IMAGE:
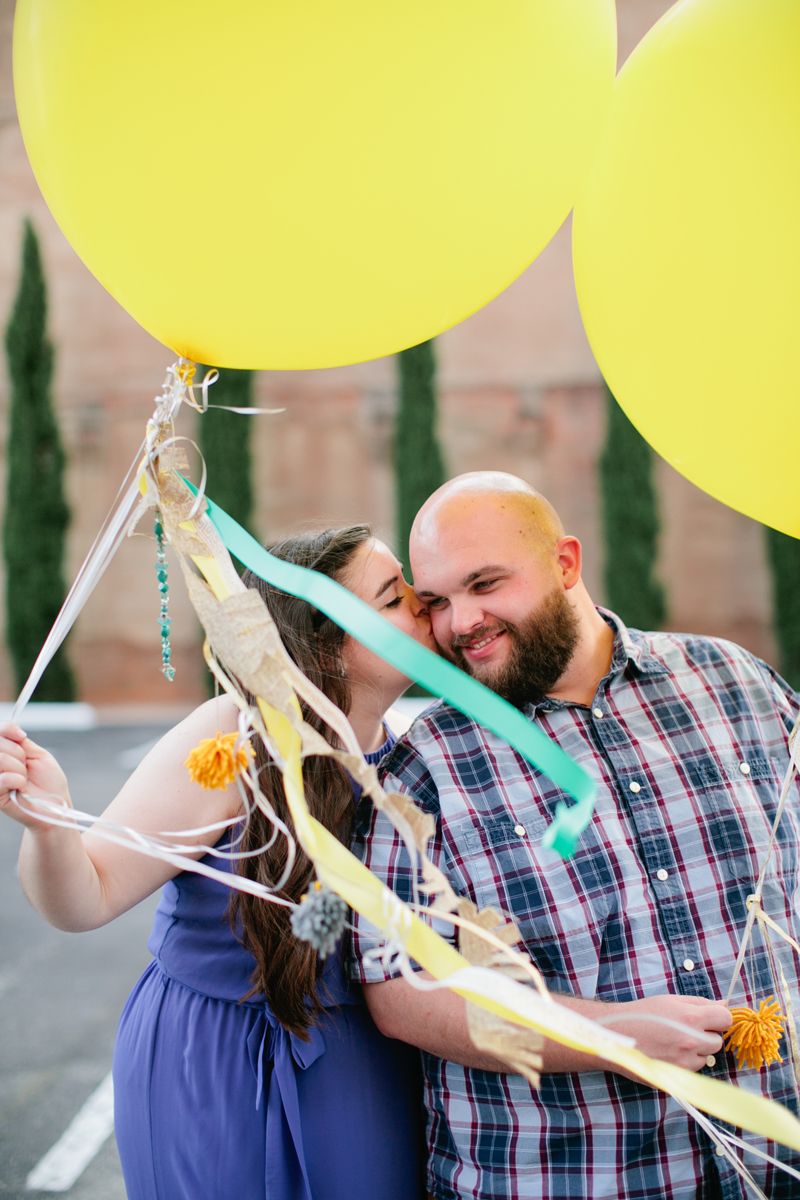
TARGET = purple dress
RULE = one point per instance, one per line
(214, 1100)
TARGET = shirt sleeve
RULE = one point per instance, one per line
(784, 697)
(379, 846)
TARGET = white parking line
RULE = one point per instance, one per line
(77, 1146)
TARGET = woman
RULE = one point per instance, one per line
(243, 1067)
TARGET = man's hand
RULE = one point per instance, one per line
(437, 1022)
(709, 1019)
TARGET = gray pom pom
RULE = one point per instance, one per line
(319, 919)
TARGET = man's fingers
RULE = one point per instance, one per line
(717, 1019)
(723, 1024)
(715, 1016)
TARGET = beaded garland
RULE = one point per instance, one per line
(162, 571)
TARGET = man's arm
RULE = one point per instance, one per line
(437, 1022)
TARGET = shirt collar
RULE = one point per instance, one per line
(630, 653)
(631, 649)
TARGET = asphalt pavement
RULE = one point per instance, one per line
(61, 994)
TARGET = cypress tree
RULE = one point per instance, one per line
(225, 445)
(630, 523)
(784, 558)
(419, 468)
(37, 515)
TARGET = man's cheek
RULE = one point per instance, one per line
(442, 634)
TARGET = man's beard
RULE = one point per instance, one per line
(542, 647)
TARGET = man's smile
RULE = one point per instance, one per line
(481, 648)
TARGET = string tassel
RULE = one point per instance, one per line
(212, 763)
(320, 919)
(754, 1036)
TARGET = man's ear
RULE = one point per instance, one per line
(568, 556)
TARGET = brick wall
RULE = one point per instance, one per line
(520, 391)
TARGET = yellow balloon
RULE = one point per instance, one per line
(687, 249)
(305, 183)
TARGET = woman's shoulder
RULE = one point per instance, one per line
(168, 757)
(217, 715)
(160, 793)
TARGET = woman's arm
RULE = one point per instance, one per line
(79, 882)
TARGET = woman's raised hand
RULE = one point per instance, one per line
(27, 768)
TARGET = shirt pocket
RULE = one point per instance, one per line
(500, 868)
(489, 858)
(737, 808)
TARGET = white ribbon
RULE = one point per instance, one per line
(175, 392)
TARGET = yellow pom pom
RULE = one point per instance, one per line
(212, 763)
(754, 1036)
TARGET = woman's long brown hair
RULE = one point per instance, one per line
(286, 968)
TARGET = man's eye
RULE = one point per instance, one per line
(486, 583)
(435, 603)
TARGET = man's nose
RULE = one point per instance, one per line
(465, 615)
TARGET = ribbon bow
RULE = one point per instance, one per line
(285, 1167)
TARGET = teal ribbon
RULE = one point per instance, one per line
(440, 677)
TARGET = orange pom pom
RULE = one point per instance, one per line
(754, 1036)
(212, 764)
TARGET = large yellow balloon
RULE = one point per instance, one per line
(303, 183)
(687, 249)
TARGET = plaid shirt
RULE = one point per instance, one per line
(687, 738)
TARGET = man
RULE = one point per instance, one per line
(687, 738)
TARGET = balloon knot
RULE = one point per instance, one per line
(754, 1036)
(186, 372)
(212, 764)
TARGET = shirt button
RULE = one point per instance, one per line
(662, 874)
(719, 1150)
(635, 787)
(744, 768)
(519, 830)
(711, 1061)
(688, 964)
(597, 712)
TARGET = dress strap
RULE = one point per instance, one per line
(375, 756)
(270, 1045)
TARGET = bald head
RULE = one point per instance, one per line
(494, 497)
(501, 582)
(502, 585)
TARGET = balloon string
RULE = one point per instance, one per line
(53, 812)
(177, 390)
(108, 541)
(754, 902)
(203, 405)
